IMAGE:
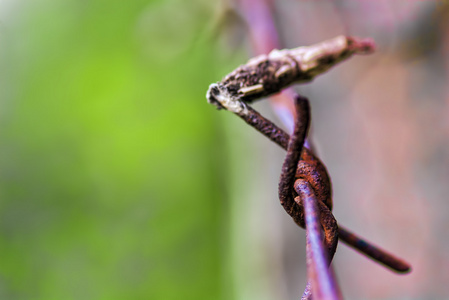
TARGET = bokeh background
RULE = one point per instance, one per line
(119, 181)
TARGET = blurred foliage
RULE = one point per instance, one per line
(108, 178)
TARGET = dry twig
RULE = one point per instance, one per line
(265, 75)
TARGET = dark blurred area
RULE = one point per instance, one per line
(119, 181)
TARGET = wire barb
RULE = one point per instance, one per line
(281, 138)
(302, 171)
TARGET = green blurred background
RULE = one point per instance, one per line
(108, 177)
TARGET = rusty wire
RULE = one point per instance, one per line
(322, 280)
(313, 172)
(281, 138)
(304, 188)
(307, 175)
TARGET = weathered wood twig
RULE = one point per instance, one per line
(265, 75)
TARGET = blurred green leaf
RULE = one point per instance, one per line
(107, 179)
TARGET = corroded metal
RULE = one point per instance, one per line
(321, 183)
(305, 189)
(294, 149)
(389, 260)
(321, 278)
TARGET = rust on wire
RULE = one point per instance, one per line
(321, 278)
(315, 167)
(305, 190)
(290, 165)
(368, 249)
